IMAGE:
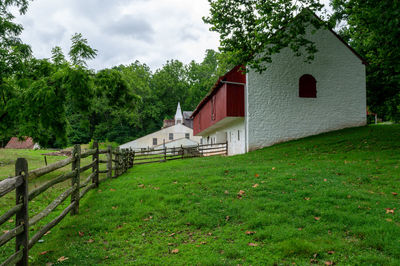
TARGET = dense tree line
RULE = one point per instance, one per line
(60, 101)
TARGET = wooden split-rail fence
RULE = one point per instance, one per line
(117, 162)
(149, 155)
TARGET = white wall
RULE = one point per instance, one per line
(275, 112)
(178, 131)
(234, 133)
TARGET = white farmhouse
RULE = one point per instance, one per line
(174, 133)
(291, 99)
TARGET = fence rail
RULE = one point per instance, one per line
(146, 156)
(118, 162)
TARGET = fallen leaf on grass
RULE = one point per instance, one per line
(44, 252)
(389, 220)
(331, 252)
(111, 189)
(48, 232)
(317, 218)
(203, 242)
(114, 207)
(329, 263)
(175, 251)
(62, 258)
(394, 194)
(11, 220)
(172, 234)
(81, 233)
(256, 175)
(253, 244)
(156, 188)
(226, 192)
(307, 198)
(390, 210)
(325, 179)
(255, 185)
(90, 241)
(141, 185)
(273, 168)
(299, 228)
(240, 194)
(147, 219)
(250, 232)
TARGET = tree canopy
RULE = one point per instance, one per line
(251, 31)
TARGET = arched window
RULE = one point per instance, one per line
(307, 86)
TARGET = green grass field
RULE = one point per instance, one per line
(328, 199)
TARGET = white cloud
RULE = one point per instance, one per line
(151, 31)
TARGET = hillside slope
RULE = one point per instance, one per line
(331, 198)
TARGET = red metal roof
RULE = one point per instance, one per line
(15, 143)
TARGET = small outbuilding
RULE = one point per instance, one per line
(26, 143)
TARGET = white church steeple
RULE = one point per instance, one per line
(178, 115)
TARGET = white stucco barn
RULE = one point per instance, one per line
(291, 99)
(177, 134)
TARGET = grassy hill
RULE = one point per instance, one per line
(326, 199)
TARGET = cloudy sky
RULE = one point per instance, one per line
(151, 31)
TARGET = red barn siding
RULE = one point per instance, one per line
(220, 105)
(235, 100)
(228, 98)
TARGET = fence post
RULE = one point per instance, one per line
(95, 168)
(183, 152)
(124, 160)
(109, 161)
(76, 165)
(133, 159)
(165, 154)
(22, 217)
(130, 157)
(226, 147)
(117, 164)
